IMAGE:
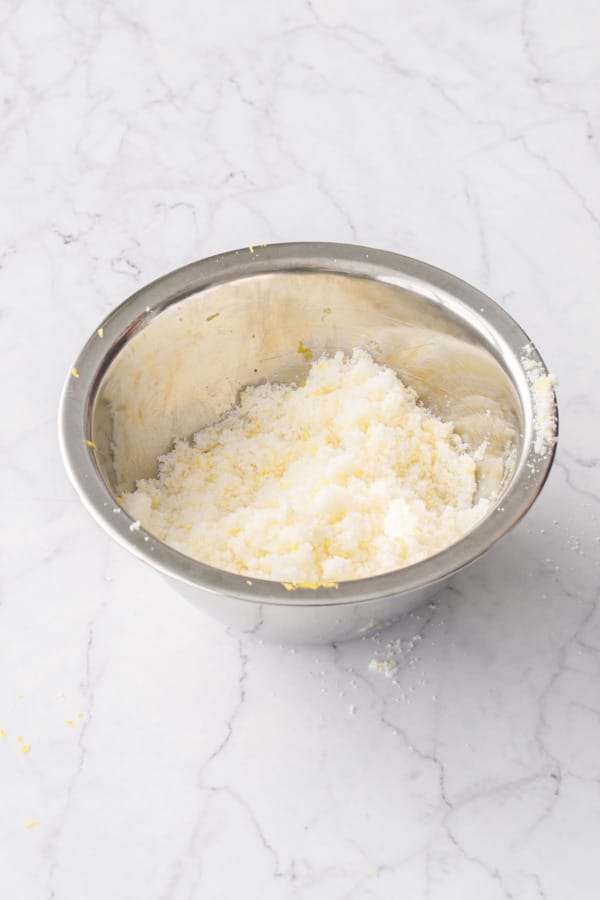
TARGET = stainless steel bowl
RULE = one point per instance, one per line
(174, 356)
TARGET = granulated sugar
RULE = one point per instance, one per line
(340, 477)
(542, 387)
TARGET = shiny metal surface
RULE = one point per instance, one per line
(174, 356)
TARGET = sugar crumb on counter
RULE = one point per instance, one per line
(396, 653)
(306, 352)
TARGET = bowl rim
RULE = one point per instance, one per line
(134, 313)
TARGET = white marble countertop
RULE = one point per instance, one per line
(166, 759)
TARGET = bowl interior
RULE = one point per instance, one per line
(182, 362)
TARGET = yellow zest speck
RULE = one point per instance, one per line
(70, 723)
(308, 585)
(248, 582)
(80, 715)
(2, 733)
(386, 665)
(25, 748)
(119, 498)
(19, 738)
(251, 248)
(33, 824)
(326, 312)
(101, 332)
(306, 352)
(214, 316)
(90, 444)
(74, 373)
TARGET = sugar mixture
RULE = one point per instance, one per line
(342, 476)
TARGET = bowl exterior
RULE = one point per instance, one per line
(292, 624)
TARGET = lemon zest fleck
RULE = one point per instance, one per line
(74, 372)
(25, 748)
(306, 352)
(214, 316)
(101, 332)
(308, 585)
(33, 824)
(90, 444)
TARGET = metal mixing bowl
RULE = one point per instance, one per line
(174, 356)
